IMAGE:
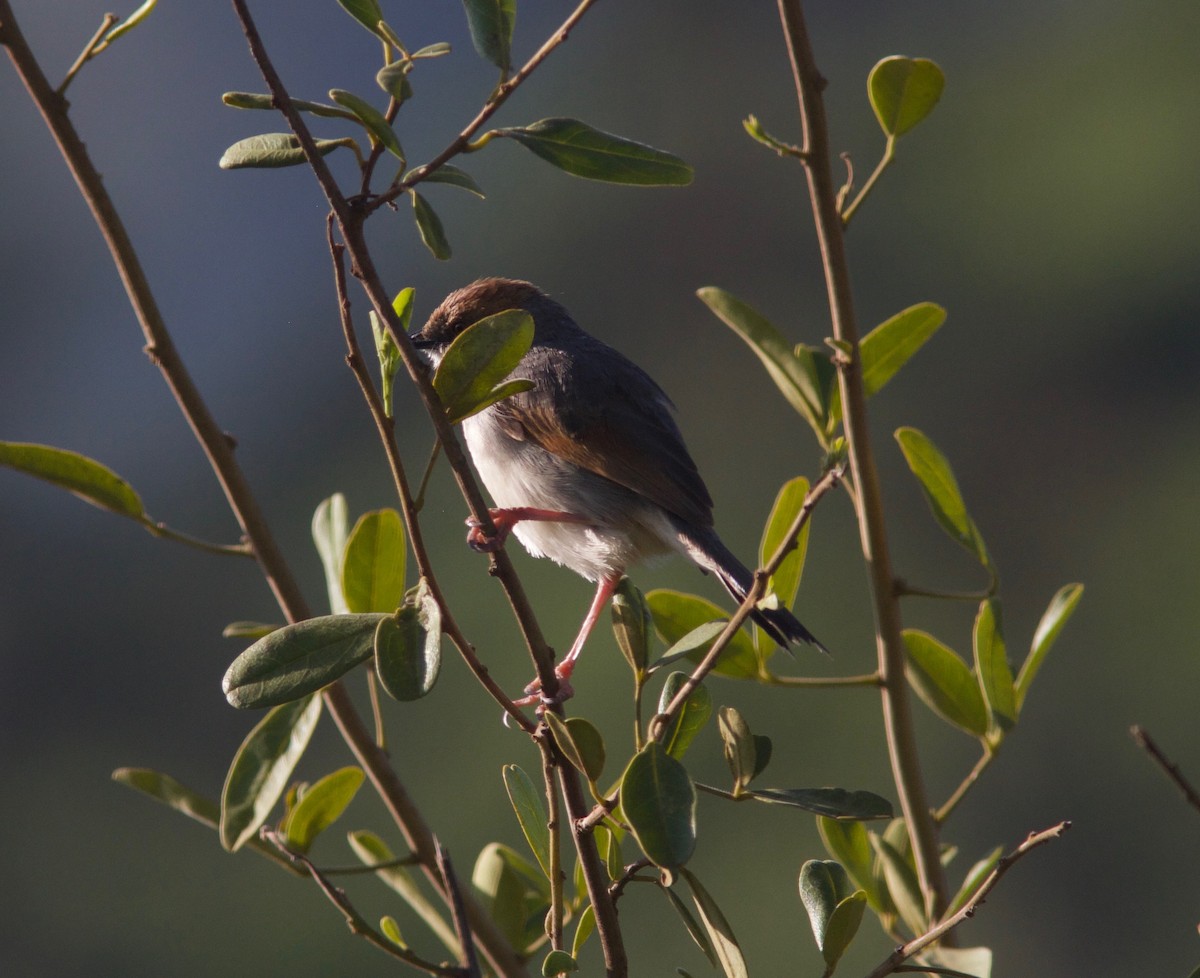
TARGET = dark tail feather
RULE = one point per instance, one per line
(710, 554)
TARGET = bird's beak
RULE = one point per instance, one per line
(419, 341)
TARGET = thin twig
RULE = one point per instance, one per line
(897, 709)
(554, 830)
(354, 920)
(871, 679)
(90, 50)
(223, 549)
(1142, 738)
(885, 161)
(462, 925)
(981, 765)
(631, 873)
(941, 929)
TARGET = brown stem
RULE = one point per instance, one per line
(1142, 738)
(981, 765)
(458, 911)
(897, 713)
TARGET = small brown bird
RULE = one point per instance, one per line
(588, 467)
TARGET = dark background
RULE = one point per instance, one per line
(1049, 204)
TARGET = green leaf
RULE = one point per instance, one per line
(941, 491)
(991, 664)
(87, 479)
(433, 235)
(272, 149)
(580, 742)
(262, 766)
(945, 683)
(329, 524)
(1062, 606)
(676, 614)
(849, 843)
(170, 792)
(738, 745)
(974, 878)
(701, 637)
(795, 376)
(632, 624)
(890, 345)
(689, 720)
(514, 892)
(366, 12)
(659, 802)
(903, 91)
(371, 118)
(481, 356)
(435, 50)
(299, 659)
(973, 961)
(902, 885)
(835, 907)
(695, 931)
(408, 646)
(373, 565)
(836, 803)
(391, 930)
(724, 943)
(372, 850)
(393, 79)
(531, 814)
(583, 930)
(491, 23)
(762, 754)
(320, 806)
(248, 629)
(130, 22)
(453, 176)
(558, 963)
(785, 582)
(262, 101)
(578, 149)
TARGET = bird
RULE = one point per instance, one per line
(587, 467)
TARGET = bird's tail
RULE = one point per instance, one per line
(707, 550)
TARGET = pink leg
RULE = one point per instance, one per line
(563, 670)
(506, 519)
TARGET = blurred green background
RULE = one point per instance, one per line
(1049, 203)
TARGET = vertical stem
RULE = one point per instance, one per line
(897, 713)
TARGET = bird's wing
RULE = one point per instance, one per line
(618, 425)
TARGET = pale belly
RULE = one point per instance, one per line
(623, 529)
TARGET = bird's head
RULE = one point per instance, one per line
(474, 302)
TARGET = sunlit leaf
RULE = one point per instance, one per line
(170, 792)
(738, 744)
(393, 79)
(796, 377)
(632, 624)
(849, 843)
(580, 742)
(659, 802)
(329, 531)
(903, 91)
(945, 682)
(785, 582)
(941, 491)
(433, 235)
(694, 929)
(578, 149)
(262, 766)
(366, 12)
(299, 659)
(514, 892)
(1062, 606)
(558, 963)
(130, 22)
(454, 177)
(834, 906)
(371, 118)
(320, 806)
(583, 930)
(408, 646)
(724, 943)
(262, 101)
(838, 803)
(272, 149)
(86, 478)
(531, 814)
(902, 884)
(974, 878)
(688, 720)
(973, 961)
(991, 664)
(676, 614)
(373, 564)
(479, 358)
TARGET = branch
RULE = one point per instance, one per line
(897, 713)
(462, 926)
(1142, 738)
(354, 920)
(981, 765)
(940, 930)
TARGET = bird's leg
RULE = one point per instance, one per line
(604, 591)
(505, 519)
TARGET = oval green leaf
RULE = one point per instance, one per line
(408, 647)
(724, 943)
(659, 802)
(937, 481)
(78, 474)
(454, 177)
(262, 766)
(491, 23)
(676, 614)
(945, 683)
(580, 742)
(903, 91)
(393, 79)
(433, 235)
(738, 744)
(793, 370)
(834, 906)
(578, 149)
(689, 720)
(632, 624)
(481, 356)
(271, 150)
(372, 119)
(527, 803)
(514, 893)
(785, 582)
(849, 843)
(320, 806)
(366, 12)
(329, 529)
(373, 563)
(583, 930)
(558, 963)
(991, 664)
(903, 888)
(696, 932)
(837, 803)
(171, 793)
(299, 659)
(256, 100)
(1061, 607)
(974, 878)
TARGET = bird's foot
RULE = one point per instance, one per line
(479, 540)
(534, 695)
